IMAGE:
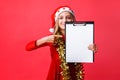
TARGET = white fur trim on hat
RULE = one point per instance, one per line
(59, 11)
(51, 30)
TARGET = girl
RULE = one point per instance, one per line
(59, 69)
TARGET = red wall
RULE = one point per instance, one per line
(22, 21)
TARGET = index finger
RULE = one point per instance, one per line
(57, 35)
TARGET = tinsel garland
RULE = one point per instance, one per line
(64, 66)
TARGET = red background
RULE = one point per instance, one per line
(22, 21)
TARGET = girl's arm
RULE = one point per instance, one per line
(41, 42)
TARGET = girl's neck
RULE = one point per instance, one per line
(63, 32)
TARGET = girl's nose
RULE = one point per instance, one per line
(65, 19)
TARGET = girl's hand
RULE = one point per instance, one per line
(51, 38)
(92, 47)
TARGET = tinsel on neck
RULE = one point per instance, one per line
(65, 73)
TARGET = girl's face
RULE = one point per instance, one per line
(64, 17)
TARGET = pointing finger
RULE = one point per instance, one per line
(57, 35)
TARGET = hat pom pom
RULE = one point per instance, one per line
(51, 30)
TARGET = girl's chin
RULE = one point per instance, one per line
(63, 28)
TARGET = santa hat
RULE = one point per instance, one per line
(62, 9)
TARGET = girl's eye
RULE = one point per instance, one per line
(60, 18)
(69, 17)
(66, 17)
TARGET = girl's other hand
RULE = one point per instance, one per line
(92, 47)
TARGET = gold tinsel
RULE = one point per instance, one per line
(60, 44)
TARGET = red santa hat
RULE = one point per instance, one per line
(63, 9)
